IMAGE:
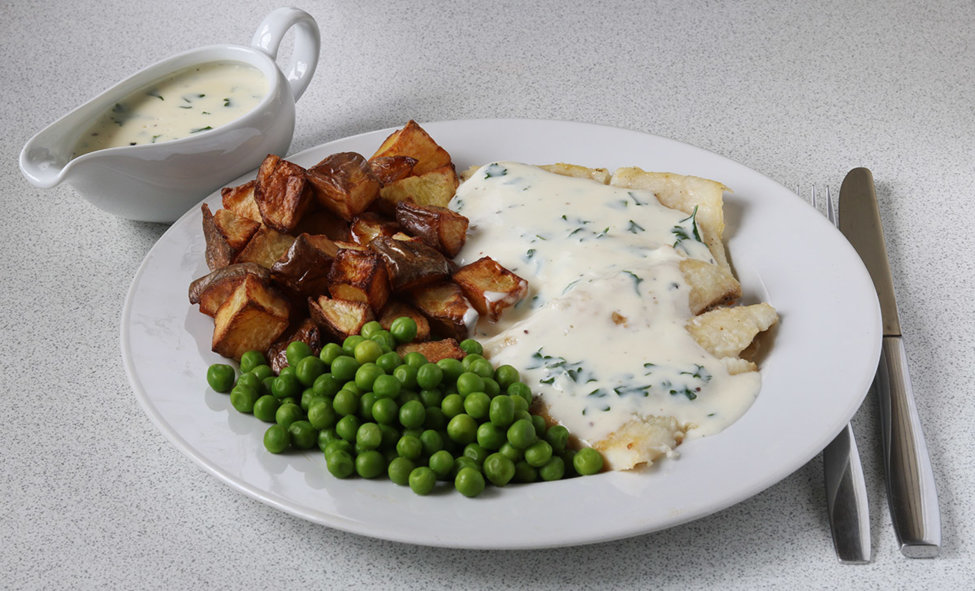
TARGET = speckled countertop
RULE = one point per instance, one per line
(92, 495)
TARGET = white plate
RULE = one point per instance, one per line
(814, 377)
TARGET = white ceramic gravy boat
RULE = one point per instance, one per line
(160, 182)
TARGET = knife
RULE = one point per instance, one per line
(911, 492)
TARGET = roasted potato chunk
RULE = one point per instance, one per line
(359, 276)
(323, 222)
(240, 200)
(306, 331)
(218, 252)
(213, 289)
(395, 309)
(265, 247)
(450, 314)
(339, 319)
(344, 184)
(226, 234)
(435, 187)
(304, 268)
(391, 168)
(434, 351)
(282, 193)
(413, 141)
(489, 287)
(410, 264)
(251, 318)
(438, 227)
(369, 225)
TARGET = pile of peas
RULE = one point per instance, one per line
(375, 413)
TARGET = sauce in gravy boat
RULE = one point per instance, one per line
(157, 143)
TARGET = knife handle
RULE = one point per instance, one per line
(911, 489)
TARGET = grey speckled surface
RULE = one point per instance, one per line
(93, 496)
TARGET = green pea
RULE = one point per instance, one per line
(441, 462)
(475, 452)
(265, 408)
(501, 411)
(285, 386)
(350, 342)
(391, 436)
(477, 404)
(251, 359)
(370, 328)
(471, 346)
(469, 359)
(220, 377)
(262, 372)
(287, 370)
(499, 469)
(406, 396)
(452, 405)
(506, 375)
(431, 397)
(468, 382)
(482, 367)
(511, 452)
(344, 368)
(435, 418)
(540, 425)
(558, 438)
(389, 361)
(406, 375)
(330, 352)
(347, 427)
(346, 402)
(385, 411)
(326, 436)
(288, 413)
(412, 414)
(521, 405)
(469, 482)
(385, 340)
(308, 369)
(539, 453)
(521, 434)
(338, 444)
(491, 387)
(587, 461)
(366, 375)
(554, 469)
(243, 399)
(307, 397)
(452, 368)
(520, 389)
(367, 351)
(415, 359)
(429, 376)
(490, 436)
(386, 386)
(403, 329)
(422, 480)
(277, 439)
(432, 441)
(340, 463)
(525, 472)
(369, 436)
(326, 385)
(303, 435)
(366, 402)
(462, 429)
(461, 462)
(409, 446)
(296, 351)
(399, 470)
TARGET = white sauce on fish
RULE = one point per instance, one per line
(600, 334)
(191, 101)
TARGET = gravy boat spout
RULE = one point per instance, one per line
(158, 182)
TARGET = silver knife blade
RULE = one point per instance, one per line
(911, 492)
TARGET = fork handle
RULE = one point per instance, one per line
(911, 491)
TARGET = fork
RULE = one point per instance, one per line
(846, 492)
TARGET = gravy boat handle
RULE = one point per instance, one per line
(307, 43)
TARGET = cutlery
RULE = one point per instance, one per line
(911, 492)
(846, 489)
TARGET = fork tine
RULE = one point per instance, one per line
(830, 213)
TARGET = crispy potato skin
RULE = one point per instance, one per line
(213, 289)
(344, 184)
(251, 318)
(489, 287)
(282, 193)
(439, 227)
(410, 264)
